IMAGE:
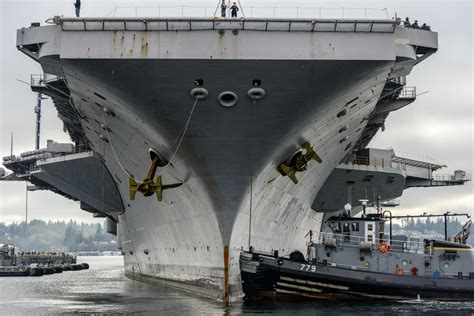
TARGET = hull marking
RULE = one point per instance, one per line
(331, 286)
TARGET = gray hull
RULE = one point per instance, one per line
(221, 151)
(131, 90)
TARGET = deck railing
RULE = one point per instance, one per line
(40, 80)
(408, 93)
(450, 177)
(43, 155)
(412, 245)
(366, 161)
(275, 11)
(202, 24)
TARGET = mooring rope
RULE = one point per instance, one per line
(181, 138)
(183, 133)
(112, 147)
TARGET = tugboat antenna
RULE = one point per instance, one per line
(364, 206)
(379, 209)
(11, 145)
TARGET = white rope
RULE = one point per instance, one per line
(103, 176)
(182, 137)
(183, 133)
(217, 8)
(241, 9)
(112, 146)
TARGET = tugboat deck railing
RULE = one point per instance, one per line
(349, 241)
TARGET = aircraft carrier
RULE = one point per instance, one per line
(199, 137)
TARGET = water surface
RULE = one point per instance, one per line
(103, 289)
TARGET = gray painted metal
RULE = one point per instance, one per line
(405, 253)
(84, 177)
(137, 84)
(360, 182)
(200, 24)
(374, 173)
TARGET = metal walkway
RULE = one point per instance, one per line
(378, 172)
(201, 24)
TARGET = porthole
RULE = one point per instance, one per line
(100, 96)
(342, 113)
(105, 128)
(343, 129)
(104, 138)
(280, 262)
(353, 100)
(108, 111)
(343, 140)
(228, 99)
(348, 146)
(405, 262)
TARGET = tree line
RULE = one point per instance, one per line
(431, 226)
(57, 235)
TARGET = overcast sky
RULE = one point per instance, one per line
(438, 125)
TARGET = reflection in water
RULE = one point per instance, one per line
(104, 290)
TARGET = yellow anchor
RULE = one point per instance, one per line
(148, 187)
(299, 162)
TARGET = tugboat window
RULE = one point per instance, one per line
(347, 233)
(371, 227)
(369, 238)
(355, 227)
(335, 227)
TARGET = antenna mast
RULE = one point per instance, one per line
(38, 119)
(11, 146)
(38, 82)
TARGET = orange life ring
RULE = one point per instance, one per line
(383, 247)
(399, 271)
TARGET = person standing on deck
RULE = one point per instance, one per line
(223, 9)
(407, 23)
(234, 9)
(77, 5)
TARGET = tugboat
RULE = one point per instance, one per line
(357, 260)
(8, 266)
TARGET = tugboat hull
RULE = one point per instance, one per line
(263, 274)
